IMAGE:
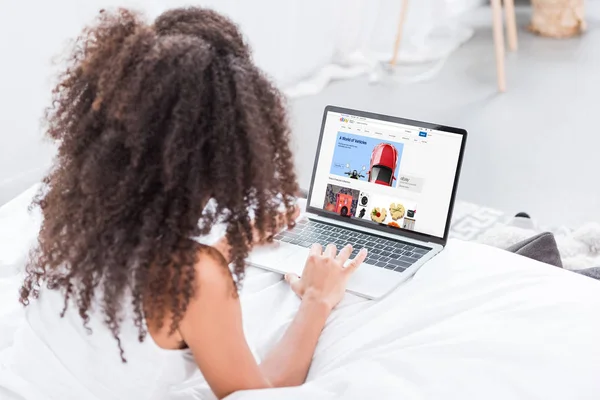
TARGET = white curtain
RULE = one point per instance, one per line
(303, 44)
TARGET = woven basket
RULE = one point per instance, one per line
(558, 18)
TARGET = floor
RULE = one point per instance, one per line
(534, 148)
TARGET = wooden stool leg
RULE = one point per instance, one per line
(511, 24)
(403, 11)
(499, 43)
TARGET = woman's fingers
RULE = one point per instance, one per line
(344, 253)
(294, 282)
(283, 220)
(296, 213)
(316, 250)
(291, 278)
(353, 264)
(330, 250)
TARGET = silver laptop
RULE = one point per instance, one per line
(380, 182)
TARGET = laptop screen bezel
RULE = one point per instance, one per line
(384, 228)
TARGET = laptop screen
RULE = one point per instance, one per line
(386, 173)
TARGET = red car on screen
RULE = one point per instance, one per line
(383, 164)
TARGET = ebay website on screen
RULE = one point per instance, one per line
(386, 173)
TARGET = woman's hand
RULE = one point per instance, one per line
(282, 221)
(325, 275)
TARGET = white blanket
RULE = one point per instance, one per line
(475, 322)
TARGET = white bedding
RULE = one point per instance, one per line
(476, 322)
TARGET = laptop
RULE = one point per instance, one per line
(380, 182)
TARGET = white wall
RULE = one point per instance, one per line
(289, 39)
(32, 33)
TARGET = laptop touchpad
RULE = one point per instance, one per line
(373, 282)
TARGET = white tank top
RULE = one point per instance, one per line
(55, 358)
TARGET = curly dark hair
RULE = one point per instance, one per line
(153, 121)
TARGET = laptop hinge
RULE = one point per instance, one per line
(375, 232)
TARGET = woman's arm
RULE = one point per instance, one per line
(321, 288)
(287, 364)
(212, 326)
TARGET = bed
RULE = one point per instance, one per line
(475, 322)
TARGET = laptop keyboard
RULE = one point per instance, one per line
(382, 252)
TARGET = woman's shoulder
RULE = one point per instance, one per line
(212, 270)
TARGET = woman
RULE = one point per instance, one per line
(152, 122)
